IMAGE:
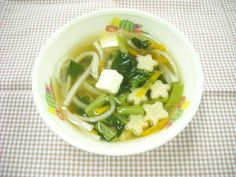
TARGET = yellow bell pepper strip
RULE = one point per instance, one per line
(161, 125)
(143, 90)
(101, 109)
(132, 51)
(159, 46)
(101, 65)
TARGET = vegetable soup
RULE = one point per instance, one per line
(118, 85)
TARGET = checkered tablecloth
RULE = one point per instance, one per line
(206, 148)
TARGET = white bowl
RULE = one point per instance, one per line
(58, 45)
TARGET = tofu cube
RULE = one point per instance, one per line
(109, 81)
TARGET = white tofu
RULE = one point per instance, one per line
(109, 81)
(109, 41)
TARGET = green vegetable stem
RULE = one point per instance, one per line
(127, 110)
(99, 101)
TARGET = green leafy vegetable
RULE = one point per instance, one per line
(127, 110)
(122, 63)
(138, 77)
(117, 121)
(141, 44)
(105, 131)
(124, 88)
(75, 69)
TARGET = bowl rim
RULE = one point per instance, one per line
(179, 125)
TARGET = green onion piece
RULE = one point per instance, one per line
(175, 95)
(127, 110)
(99, 101)
(105, 131)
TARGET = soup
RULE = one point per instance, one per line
(118, 86)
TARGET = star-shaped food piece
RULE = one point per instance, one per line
(159, 89)
(154, 112)
(136, 124)
(146, 62)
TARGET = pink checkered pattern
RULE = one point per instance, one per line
(207, 147)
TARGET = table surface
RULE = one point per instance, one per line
(207, 147)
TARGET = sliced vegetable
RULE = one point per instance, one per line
(102, 109)
(100, 117)
(132, 46)
(138, 77)
(127, 110)
(126, 25)
(156, 45)
(141, 44)
(135, 99)
(132, 51)
(105, 131)
(101, 65)
(124, 88)
(117, 121)
(75, 69)
(122, 44)
(161, 125)
(143, 90)
(121, 99)
(122, 63)
(98, 102)
(175, 95)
